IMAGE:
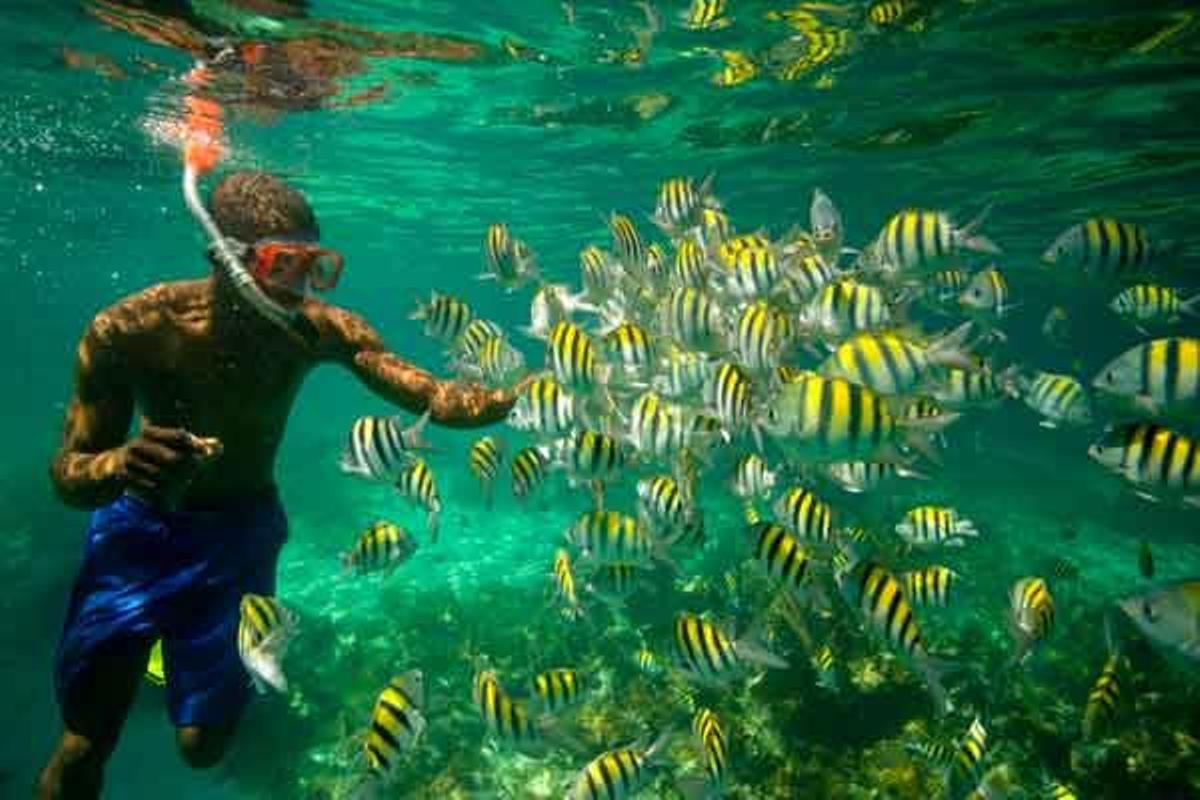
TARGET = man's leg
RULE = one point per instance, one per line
(203, 746)
(93, 714)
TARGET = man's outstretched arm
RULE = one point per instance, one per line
(346, 338)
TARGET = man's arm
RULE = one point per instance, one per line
(88, 470)
(347, 339)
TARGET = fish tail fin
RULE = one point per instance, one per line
(413, 436)
(420, 309)
(921, 434)
(932, 670)
(1191, 306)
(952, 349)
(432, 521)
(750, 647)
(967, 238)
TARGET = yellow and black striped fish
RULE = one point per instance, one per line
(590, 455)
(923, 239)
(543, 406)
(571, 354)
(759, 337)
(664, 502)
(618, 774)
(599, 279)
(713, 746)
(729, 395)
(923, 526)
(382, 547)
(1104, 247)
(477, 334)
(969, 755)
(891, 363)
(1159, 376)
(885, 13)
(504, 716)
(1151, 303)
(780, 554)
(987, 294)
(379, 448)
(396, 722)
(929, 586)
(825, 665)
(606, 537)
(265, 628)
(627, 242)
(679, 200)
(1103, 698)
(707, 15)
(963, 388)
(874, 591)
(844, 308)
(1154, 458)
(755, 272)
(528, 472)
(752, 477)
(708, 652)
(614, 583)
(805, 514)
(557, 689)
(416, 482)
(509, 260)
(691, 317)
(715, 228)
(690, 268)
(445, 316)
(484, 459)
(946, 286)
(629, 345)
(1032, 613)
(807, 275)
(732, 246)
(564, 584)
(1058, 399)
(859, 477)
(738, 68)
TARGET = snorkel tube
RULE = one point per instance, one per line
(202, 150)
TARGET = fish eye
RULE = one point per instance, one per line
(1111, 376)
(1148, 611)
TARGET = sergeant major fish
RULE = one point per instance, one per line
(379, 448)
(265, 629)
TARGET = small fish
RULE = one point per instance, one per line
(975, 388)
(477, 334)
(752, 478)
(781, 556)
(729, 395)
(686, 373)
(846, 307)
(860, 477)
(929, 586)
(396, 723)
(628, 244)
(1156, 460)
(1104, 247)
(889, 363)
(706, 651)
(733, 246)
(661, 430)
(1056, 327)
(265, 629)
(987, 294)
(805, 276)
(1058, 398)
(679, 202)
(379, 448)
(933, 525)
(690, 269)
(1158, 376)
(496, 362)
(528, 472)
(706, 15)
(886, 13)
(714, 747)
(1031, 614)
(504, 717)
(1153, 304)
(760, 336)
(874, 591)
(509, 261)
(825, 665)
(946, 286)
(553, 303)
(606, 537)
(921, 239)
(445, 316)
(714, 228)
(664, 502)
(805, 514)
(630, 347)
(1169, 616)
(545, 407)
(1145, 560)
(557, 689)
(590, 456)
(564, 584)
(691, 317)
(382, 548)
(971, 750)
(738, 68)
(1102, 699)
(825, 222)
(572, 356)
(615, 583)
(617, 774)
(417, 483)
(599, 273)
(484, 459)
(647, 661)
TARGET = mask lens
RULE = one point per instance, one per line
(325, 270)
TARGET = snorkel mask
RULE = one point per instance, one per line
(295, 265)
(203, 149)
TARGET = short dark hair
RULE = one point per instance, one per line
(249, 206)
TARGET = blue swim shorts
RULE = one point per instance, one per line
(178, 575)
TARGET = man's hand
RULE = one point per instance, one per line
(160, 460)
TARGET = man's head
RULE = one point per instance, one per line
(280, 231)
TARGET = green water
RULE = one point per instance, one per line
(1049, 112)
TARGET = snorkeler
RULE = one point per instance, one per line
(186, 515)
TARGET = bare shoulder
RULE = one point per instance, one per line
(147, 311)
